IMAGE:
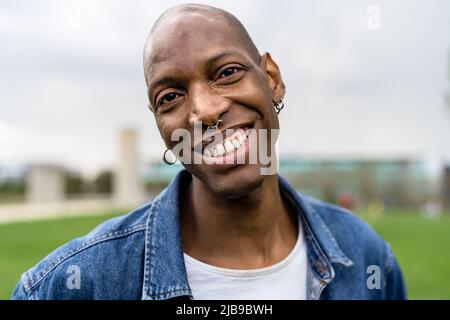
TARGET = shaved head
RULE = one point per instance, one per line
(174, 17)
(200, 65)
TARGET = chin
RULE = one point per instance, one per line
(234, 183)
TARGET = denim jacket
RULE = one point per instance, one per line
(140, 256)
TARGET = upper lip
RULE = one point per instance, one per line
(223, 131)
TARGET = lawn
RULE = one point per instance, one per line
(23, 244)
(422, 246)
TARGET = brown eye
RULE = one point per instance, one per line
(228, 72)
(167, 98)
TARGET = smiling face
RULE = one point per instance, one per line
(200, 67)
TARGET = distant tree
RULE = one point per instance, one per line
(74, 183)
(12, 186)
(103, 182)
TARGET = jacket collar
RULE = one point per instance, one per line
(322, 247)
(165, 274)
(318, 234)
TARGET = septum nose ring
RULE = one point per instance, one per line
(216, 126)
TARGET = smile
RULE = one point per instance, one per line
(229, 145)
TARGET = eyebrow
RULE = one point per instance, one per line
(168, 80)
(220, 56)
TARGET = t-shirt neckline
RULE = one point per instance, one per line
(249, 272)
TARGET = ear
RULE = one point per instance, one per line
(274, 79)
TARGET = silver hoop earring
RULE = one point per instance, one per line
(168, 161)
(279, 106)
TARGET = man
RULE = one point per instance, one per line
(221, 230)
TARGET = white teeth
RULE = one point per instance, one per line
(220, 150)
(236, 144)
(228, 146)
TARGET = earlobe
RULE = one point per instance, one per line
(274, 78)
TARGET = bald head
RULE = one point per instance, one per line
(201, 66)
(179, 19)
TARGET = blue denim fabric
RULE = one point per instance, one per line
(140, 255)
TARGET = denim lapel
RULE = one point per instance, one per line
(322, 247)
(164, 270)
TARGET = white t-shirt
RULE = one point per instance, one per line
(285, 280)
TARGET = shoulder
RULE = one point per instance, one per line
(354, 236)
(369, 253)
(115, 244)
(342, 221)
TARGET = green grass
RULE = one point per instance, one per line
(24, 244)
(421, 245)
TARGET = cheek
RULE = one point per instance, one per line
(165, 127)
(167, 124)
(257, 95)
(256, 88)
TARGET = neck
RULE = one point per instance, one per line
(253, 231)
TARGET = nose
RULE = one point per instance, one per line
(206, 106)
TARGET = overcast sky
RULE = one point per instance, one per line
(71, 76)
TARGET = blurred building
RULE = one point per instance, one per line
(128, 186)
(392, 182)
(395, 182)
(45, 183)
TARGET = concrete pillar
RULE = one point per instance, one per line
(45, 183)
(128, 187)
